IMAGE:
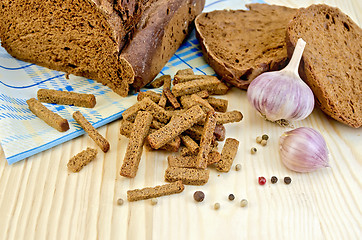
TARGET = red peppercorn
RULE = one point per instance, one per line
(261, 180)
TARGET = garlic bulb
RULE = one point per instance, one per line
(282, 95)
(303, 150)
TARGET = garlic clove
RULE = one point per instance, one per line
(303, 150)
(282, 95)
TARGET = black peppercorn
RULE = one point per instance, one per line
(287, 180)
(274, 179)
(199, 196)
(231, 197)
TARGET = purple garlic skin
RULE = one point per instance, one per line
(303, 150)
(278, 95)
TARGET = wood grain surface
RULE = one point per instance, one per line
(41, 199)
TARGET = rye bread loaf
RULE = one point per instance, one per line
(86, 37)
(160, 32)
(239, 45)
(332, 60)
(80, 37)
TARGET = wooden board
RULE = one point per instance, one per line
(40, 199)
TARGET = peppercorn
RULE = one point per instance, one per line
(274, 179)
(265, 137)
(243, 203)
(120, 201)
(154, 201)
(258, 139)
(263, 142)
(231, 197)
(253, 150)
(237, 167)
(216, 206)
(199, 196)
(261, 180)
(287, 180)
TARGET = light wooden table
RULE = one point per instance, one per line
(40, 199)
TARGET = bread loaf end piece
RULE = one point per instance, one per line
(171, 20)
(332, 60)
(78, 37)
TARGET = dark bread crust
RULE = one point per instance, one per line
(239, 45)
(332, 60)
(163, 26)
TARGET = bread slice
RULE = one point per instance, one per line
(86, 37)
(332, 60)
(239, 45)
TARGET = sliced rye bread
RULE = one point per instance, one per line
(239, 45)
(86, 37)
(332, 60)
